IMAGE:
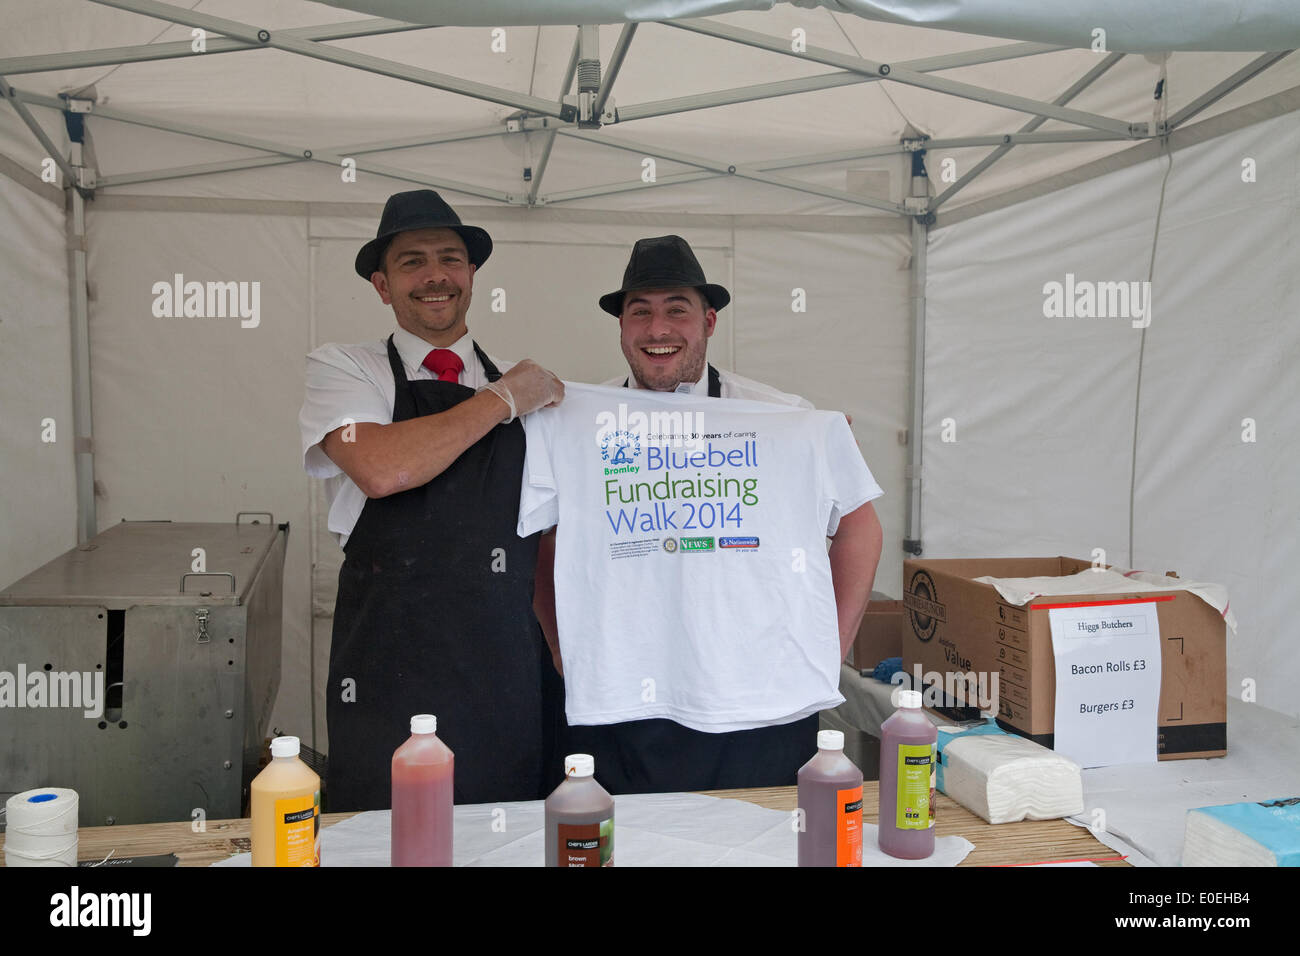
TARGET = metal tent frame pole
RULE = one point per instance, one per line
(916, 393)
(19, 102)
(727, 169)
(539, 171)
(323, 156)
(75, 219)
(1027, 130)
(283, 40)
(1277, 104)
(82, 413)
(901, 74)
(146, 52)
(1222, 89)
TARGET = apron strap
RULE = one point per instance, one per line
(399, 375)
(403, 403)
(489, 369)
(715, 383)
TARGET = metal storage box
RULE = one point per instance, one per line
(187, 666)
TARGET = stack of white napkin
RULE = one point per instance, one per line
(1004, 778)
(1244, 834)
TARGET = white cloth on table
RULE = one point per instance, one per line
(650, 829)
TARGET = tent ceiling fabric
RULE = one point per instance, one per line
(1148, 26)
(810, 134)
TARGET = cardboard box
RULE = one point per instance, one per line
(954, 624)
(880, 634)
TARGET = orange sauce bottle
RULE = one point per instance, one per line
(286, 809)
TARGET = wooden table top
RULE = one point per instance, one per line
(1005, 844)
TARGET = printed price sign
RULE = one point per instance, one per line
(1107, 682)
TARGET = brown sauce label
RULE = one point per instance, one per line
(585, 844)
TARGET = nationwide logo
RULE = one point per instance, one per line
(697, 544)
(670, 545)
(619, 450)
(745, 544)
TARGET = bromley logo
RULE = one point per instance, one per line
(619, 450)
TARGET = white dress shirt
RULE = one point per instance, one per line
(354, 383)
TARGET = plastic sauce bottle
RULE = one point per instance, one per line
(907, 750)
(830, 796)
(285, 801)
(422, 797)
(579, 818)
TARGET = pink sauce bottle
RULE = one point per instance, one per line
(830, 796)
(907, 753)
(422, 797)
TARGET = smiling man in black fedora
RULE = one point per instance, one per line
(667, 311)
(418, 438)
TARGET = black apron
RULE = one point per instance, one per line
(661, 756)
(435, 616)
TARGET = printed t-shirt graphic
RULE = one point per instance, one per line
(691, 574)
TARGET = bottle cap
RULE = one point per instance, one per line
(424, 724)
(830, 740)
(579, 765)
(910, 699)
(285, 747)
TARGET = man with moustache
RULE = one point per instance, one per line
(667, 312)
(418, 438)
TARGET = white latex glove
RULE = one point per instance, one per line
(526, 388)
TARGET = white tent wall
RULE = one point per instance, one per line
(1042, 409)
(39, 521)
(196, 418)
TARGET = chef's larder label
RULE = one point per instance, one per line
(297, 830)
(915, 787)
(848, 827)
(586, 844)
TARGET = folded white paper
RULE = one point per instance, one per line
(1005, 778)
(1020, 591)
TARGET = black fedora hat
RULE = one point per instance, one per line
(419, 209)
(665, 262)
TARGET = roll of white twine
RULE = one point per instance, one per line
(41, 828)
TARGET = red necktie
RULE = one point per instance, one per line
(445, 364)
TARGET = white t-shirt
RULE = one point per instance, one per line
(356, 382)
(691, 574)
(733, 386)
